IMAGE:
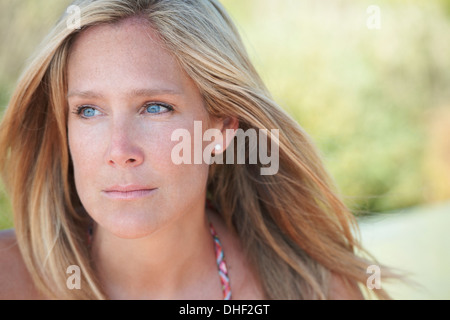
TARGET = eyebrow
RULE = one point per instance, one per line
(132, 93)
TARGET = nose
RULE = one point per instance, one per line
(124, 150)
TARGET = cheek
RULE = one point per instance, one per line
(84, 146)
(184, 182)
(85, 161)
(162, 153)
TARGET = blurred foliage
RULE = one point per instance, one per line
(370, 99)
(375, 101)
(23, 24)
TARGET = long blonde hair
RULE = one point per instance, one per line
(294, 228)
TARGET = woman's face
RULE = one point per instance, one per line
(127, 95)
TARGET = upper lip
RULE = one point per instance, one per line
(128, 188)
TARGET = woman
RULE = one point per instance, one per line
(87, 145)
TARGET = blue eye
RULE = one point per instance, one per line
(87, 112)
(157, 108)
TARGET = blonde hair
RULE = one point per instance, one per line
(294, 228)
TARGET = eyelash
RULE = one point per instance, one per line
(159, 104)
(79, 109)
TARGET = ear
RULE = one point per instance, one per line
(228, 127)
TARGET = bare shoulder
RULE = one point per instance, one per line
(15, 282)
(342, 290)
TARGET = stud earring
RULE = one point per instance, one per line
(218, 147)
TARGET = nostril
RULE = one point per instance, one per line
(129, 161)
(122, 154)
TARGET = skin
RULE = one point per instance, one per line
(114, 72)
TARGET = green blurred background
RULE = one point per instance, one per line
(375, 101)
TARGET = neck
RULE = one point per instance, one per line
(176, 262)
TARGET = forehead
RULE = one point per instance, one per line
(129, 53)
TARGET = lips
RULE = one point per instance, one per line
(128, 192)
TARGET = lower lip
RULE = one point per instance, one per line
(129, 195)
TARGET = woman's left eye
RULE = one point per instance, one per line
(155, 108)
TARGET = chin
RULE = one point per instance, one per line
(131, 226)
